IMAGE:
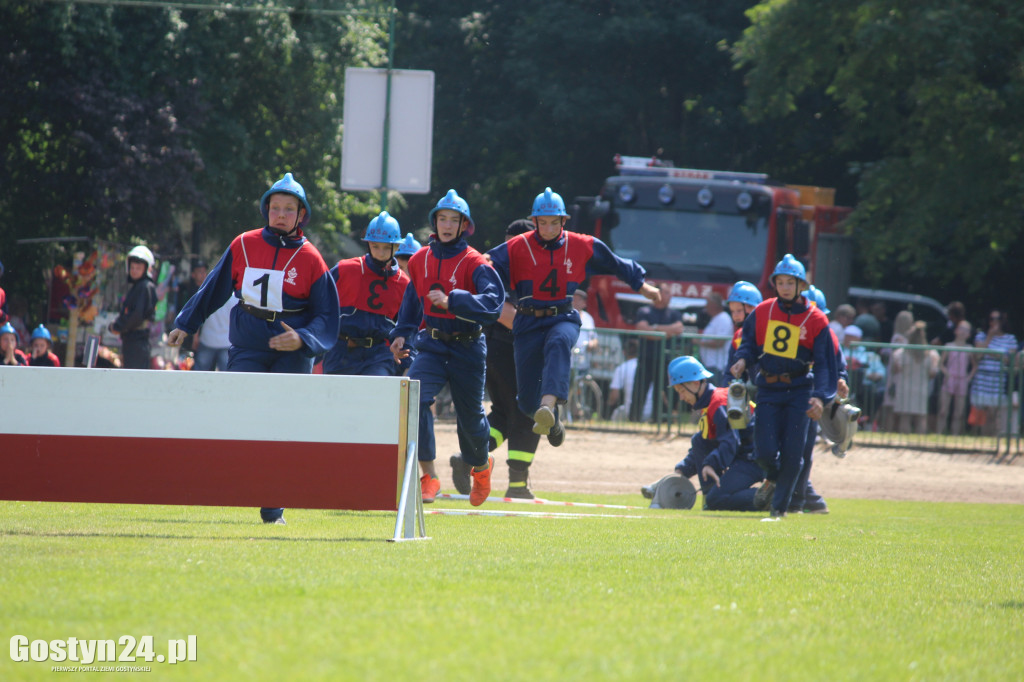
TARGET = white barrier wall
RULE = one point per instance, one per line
(206, 438)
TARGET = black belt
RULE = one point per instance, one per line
(360, 341)
(547, 311)
(268, 315)
(785, 377)
(462, 337)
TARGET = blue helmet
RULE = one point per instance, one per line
(286, 185)
(789, 265)
(817, 297)
(383, 229)
(548, 203)
(41, 332)
(409, 246)
(453, 202)
(745, 293)
(8, 328)
(686, 368)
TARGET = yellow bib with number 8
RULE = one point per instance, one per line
(782, 339)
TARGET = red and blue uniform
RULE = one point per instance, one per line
(730, 452)
(734, 346)
(369, 297)
(277, 280)
(792, 346)
(48, 360)
(450, 347)
(545, 275)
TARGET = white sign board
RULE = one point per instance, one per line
(410, 135)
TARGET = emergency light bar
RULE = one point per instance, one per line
(654, 167)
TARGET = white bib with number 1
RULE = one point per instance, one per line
(263, 288)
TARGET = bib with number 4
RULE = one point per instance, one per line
(781, 339)
(263, 288)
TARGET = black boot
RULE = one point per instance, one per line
(556, 436)
(518, 480)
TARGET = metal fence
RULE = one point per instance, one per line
(938, 398)
(934, 398)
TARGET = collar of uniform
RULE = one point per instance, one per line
(705, 398)
(798, 306)
(272, 238)
(441, 251)
(372, 264)
(551, 245)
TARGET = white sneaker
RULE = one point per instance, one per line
(543, 420)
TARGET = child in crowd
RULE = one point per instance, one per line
(40, 346)
(9, 352)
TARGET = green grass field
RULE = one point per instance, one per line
(874, 591)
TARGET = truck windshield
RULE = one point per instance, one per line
(684, 241)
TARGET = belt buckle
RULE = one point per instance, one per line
(435, 333)
(273, 316)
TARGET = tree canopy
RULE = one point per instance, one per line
(926, 99)
(116, 121)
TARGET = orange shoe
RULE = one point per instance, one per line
(481, 484)
(429, 487)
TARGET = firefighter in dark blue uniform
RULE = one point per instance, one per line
(544, 267)
(288, 305)
(453, 292)
(370, 291)
(720, 454)
(791, 343)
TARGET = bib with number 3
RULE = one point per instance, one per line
(263, 288)
(782, 339)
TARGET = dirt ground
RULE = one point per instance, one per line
(598, 462)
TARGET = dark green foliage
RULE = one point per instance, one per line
(926, 100)
(115, 121)
(546, 93)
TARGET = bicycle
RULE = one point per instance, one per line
(586, 400)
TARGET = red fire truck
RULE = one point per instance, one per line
(702, 230)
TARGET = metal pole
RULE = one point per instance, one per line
(387, 111)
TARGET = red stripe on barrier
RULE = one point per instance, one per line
(199, 472)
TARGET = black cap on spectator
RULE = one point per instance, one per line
(518, 227)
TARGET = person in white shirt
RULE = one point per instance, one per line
(587, 341)
(714, 353)
(621, 386)
(212, 352)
